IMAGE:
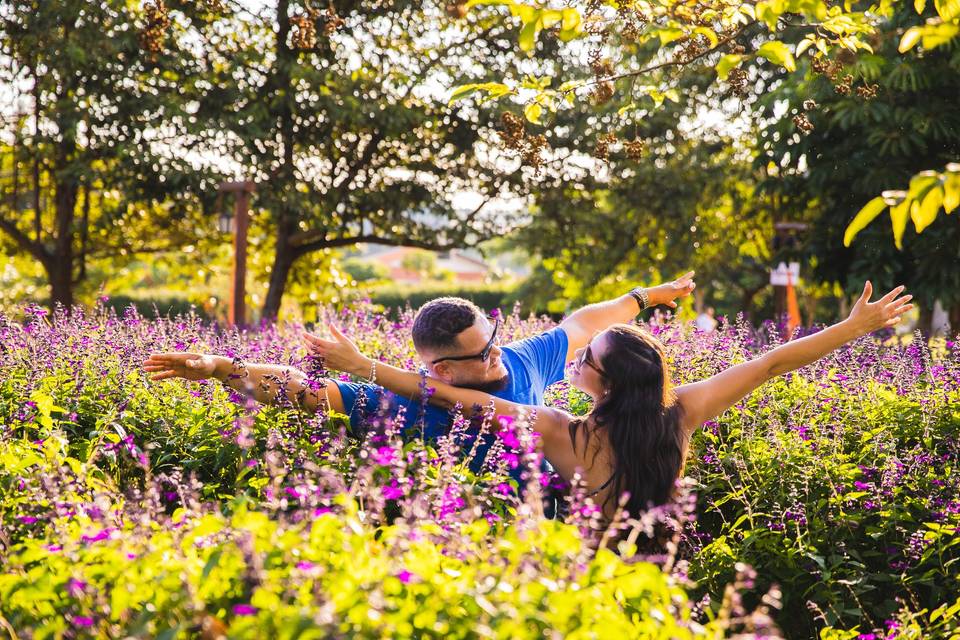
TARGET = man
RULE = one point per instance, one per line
(457, 343)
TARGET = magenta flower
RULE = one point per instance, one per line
(82, 621)
(384, 456)
(405, 576)
(103, 534)
(392, 491)
(244, 610)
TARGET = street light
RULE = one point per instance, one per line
(237, 224)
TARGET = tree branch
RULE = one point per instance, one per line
(23, 240)
(668, 63)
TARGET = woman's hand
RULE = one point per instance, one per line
(869, 316)
(339, 354)
(189, 366)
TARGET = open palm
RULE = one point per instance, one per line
(190, 366)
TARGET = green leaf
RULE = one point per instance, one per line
(864, 217)
(778, 53)
(533, 112)
(899, 214)
(910, 39)
(728, 63)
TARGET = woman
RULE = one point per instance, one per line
(635, 438)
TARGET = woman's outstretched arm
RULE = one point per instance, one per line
(262, 382)
(707, 399)
(340, 354)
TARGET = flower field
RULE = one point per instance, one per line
(824, 505)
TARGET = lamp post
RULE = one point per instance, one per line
(238, 224)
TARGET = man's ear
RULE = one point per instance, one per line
(442, 371)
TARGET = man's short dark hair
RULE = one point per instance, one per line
(440, 321)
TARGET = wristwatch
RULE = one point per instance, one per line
(641, 296)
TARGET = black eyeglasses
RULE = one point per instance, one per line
(586, 358)
(483, 355)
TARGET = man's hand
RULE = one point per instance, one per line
(189, 366)
(667, 293)
(339, 354)
(868, 316)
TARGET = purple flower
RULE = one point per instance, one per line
(244, 610)
(862, 486)
(405, 576)
(82, 621)
(76, 587)
(27, 519)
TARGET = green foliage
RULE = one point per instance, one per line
(929, 192)
(862, 147)
(486, 296)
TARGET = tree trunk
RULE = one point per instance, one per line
(954, 317)
(60, 276)
(283, 260)
(285, 255)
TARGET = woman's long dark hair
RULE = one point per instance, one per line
(640, 418)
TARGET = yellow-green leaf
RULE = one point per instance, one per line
(533, 111)
(910, 39)
(926, 212)
(864, 217)
(727, 63)
(528, 35)
(939, 34)
(951, 192)
(668, 35)
(919, 5)
(947, 9)
(899, 213)
(710, 35)
(778, 53)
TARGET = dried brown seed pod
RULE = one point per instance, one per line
(602, 93)
(803, 123)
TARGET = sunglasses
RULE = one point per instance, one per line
(483, 355)
(586, 357)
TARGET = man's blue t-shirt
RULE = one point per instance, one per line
(533, 364)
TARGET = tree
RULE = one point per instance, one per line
(335, 115)
(97, 134)
(852, 148)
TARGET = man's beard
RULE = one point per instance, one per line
(491, 386)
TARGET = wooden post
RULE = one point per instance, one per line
(241, 220)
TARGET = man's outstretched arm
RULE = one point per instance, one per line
(262, 382)
(585, 322)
